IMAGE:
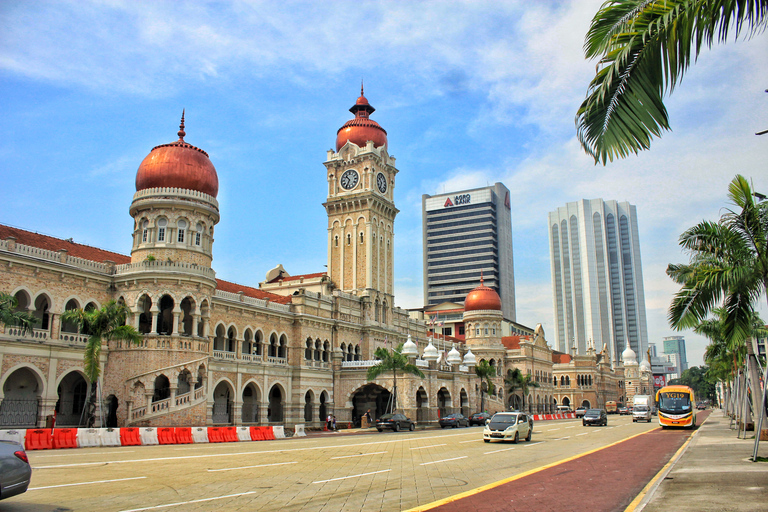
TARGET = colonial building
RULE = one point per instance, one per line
(215, 352)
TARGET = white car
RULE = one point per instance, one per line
(508, 426)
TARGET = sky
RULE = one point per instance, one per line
(470, 93)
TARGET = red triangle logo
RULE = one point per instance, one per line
(448, 203)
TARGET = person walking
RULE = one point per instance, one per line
(333, 419)
(368, 417)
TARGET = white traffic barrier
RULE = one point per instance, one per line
(243, 433)
(17, 435)
(110, 436)
(88, 437)
(148, 436)
(200, 434)
(279, 432)
(299, 431)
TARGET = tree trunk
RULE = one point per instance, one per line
(90, 419)
(394, 398)
(754, 379)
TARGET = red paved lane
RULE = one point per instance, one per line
(604, 481)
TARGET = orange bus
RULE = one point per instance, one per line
(676, 407)
(611, 407)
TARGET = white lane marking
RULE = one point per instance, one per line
(572, 426)
(431, 446)
(470, 441)
(250, 467)
(532, 444)
(444, 460)
(562, 438)
(188, 502)
(583, 434)
(357, 455)
(351, 476)
(70, 454)
(86, 483)
(552, 429)
(497, 451)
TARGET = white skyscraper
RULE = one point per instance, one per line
(597, 278)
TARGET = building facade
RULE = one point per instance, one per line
(674, 351)
(468, 235)
(597, 279)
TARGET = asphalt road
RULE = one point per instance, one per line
(329, 472)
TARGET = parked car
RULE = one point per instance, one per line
(580, 411)
(623, 411)
(479, 418)
(508, 426)
(701, 406)
(454, 420)
(595, 417)
(15, 471)
(396, 422)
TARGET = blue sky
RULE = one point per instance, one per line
(470, 93)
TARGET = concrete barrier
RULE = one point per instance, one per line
(278, 432)
(299, 431)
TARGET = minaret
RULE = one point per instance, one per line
(361, 210)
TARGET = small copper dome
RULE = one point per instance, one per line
(179, 165)
(362, 128)
(482, 297)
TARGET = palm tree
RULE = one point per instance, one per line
(644, 48)
(729, 265)
(516, 379)
(105, 324)
(9, 316)
(392, 362)
(485, 371)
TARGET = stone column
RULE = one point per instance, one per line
(174, 389)
(176, 315)
(263, 418)
(195, 323)
(154, 312)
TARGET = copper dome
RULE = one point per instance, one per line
(179, 165)
(362, 128)
(482, 297)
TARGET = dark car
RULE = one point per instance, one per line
(595, 417)
(580, 411)
(15, 471)
(479, 418)
(454, 420)
(396, 422)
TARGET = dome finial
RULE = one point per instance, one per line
(182, 133)
(361, 87)
(481, 278)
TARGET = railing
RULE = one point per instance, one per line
(199, 393)
(421, 363)
(183, 398)
(34, 334)
(317, 364)
(161, 405)
(165, 266)
(360, 364)
(277, 360)
(251, 358)
(220, 354)
(238, 297)
(18, 413)
(138, 413)
(176, 192)
(59, 257)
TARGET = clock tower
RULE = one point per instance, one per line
(361, 210)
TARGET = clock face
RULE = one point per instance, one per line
(349, 179)
(381, 182)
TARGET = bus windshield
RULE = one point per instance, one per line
(674, 402)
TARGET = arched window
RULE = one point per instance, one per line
(182, 225)
(361, 237)
(308, 350)
(199, 234)
(349, 239)
(336, 240)
(145, 231)
(161, 225)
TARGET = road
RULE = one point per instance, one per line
(326, 472)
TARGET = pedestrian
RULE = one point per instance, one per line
(328, 423)
(368, 417)
(333, 419)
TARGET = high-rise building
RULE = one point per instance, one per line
(597, 278)
(675, 345)
(467, 234)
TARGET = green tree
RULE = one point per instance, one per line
(484, 372)
(644, 49)
(392, 362)
(695, 378)
(102, 325)
(728, 268)
(10, 316)
(516, 379)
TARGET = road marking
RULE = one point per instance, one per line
(432, 446)
(357, 455)
(552, 429)
(250, 467)
(470, 441)
(572, 426)
(562, 438)
(86, 483)
(83, 454)
(189, 502)
(583, 433)
(532, 444)
(351, 476)
(497, 451)
(444, 460)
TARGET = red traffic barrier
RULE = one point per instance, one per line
(129, 436)
(215, 435)
(39, 439)
(269, 434)
(184, 435)
(166, 435)
(65, 438)
(256, 434)
(230, 435)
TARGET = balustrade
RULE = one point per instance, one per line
(360, 364)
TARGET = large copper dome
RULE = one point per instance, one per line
(362, 128)
(179, 165)
(481, 298)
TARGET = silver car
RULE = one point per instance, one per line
(508, 426)
(15, 471)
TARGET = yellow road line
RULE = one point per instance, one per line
(487, 487)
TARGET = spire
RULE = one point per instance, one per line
(361, 88)
(481, 278)
(182, 133)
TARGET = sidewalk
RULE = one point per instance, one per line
(713, 473)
